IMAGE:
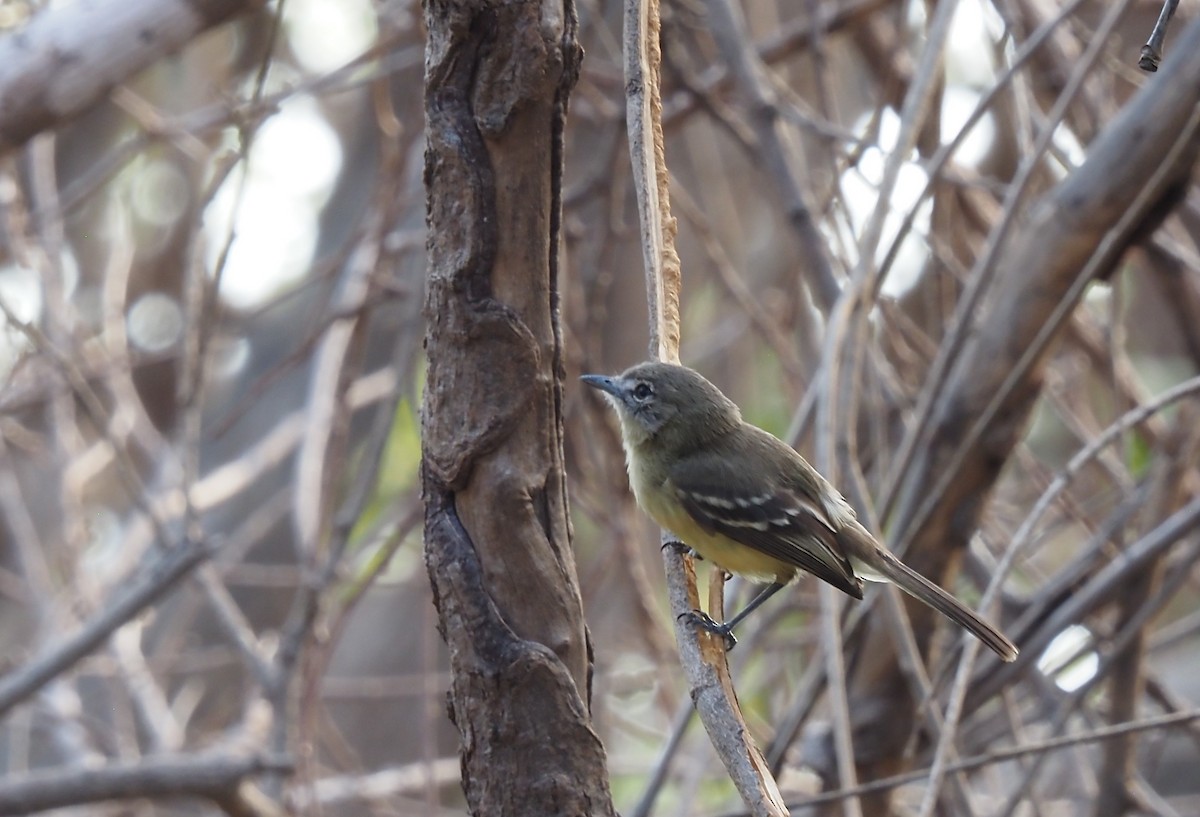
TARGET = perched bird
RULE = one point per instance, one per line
(744, 500)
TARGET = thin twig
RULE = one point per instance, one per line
(702, 656)
(1151, 54)
(1000, 755)
(156, 580)
(1032, 353)
(779, 150)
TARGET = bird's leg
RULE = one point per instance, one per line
(706, 623)
(682, 549)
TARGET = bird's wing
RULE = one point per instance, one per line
(779, 521)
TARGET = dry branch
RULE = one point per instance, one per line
(1008, 753)
(155, 582)
(702, 656)
(1076, 233)
(214, 778)
(69, 57)
(779, 152)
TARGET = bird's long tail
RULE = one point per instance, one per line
(873, 559)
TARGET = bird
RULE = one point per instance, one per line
(744, 500)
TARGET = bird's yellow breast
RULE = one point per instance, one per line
(657, 497)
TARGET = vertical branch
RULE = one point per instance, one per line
(702, 655)
(643, 104)
(1127, 683)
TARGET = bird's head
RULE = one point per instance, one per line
(668, 405)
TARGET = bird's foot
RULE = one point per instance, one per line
(682, 549)
(705, 622)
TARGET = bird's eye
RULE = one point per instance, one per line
(642, 391)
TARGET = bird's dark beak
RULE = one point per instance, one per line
(609, 385)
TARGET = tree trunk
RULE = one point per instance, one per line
(497, 531)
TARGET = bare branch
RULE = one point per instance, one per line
(69, 56)
(779, 150)
(703, 658)
(213, 778)
(1008, 753)
(149, 587)
(643, 110)
(1152, 51)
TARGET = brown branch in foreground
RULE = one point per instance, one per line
(67, 58)
(643, 106)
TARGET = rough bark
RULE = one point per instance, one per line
(497, 532)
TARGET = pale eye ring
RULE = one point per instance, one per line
(642, 391)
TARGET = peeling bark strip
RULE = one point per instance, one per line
(497, 533)
(68, 58)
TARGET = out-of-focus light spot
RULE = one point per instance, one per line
(970, 48)
(13, 14)
(327, 34)
(914, 15)
(229, 357)
(68, 267)
(1059, 663)
(1072, 152)
(154, 322)
(297, 150)
(970, 64)
(861, 189)
(888, 128)
(1099, 294)
(21, 291)
(293, 164)
(958, 102)
(159, 193)
(273, 245)
(106, 536)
